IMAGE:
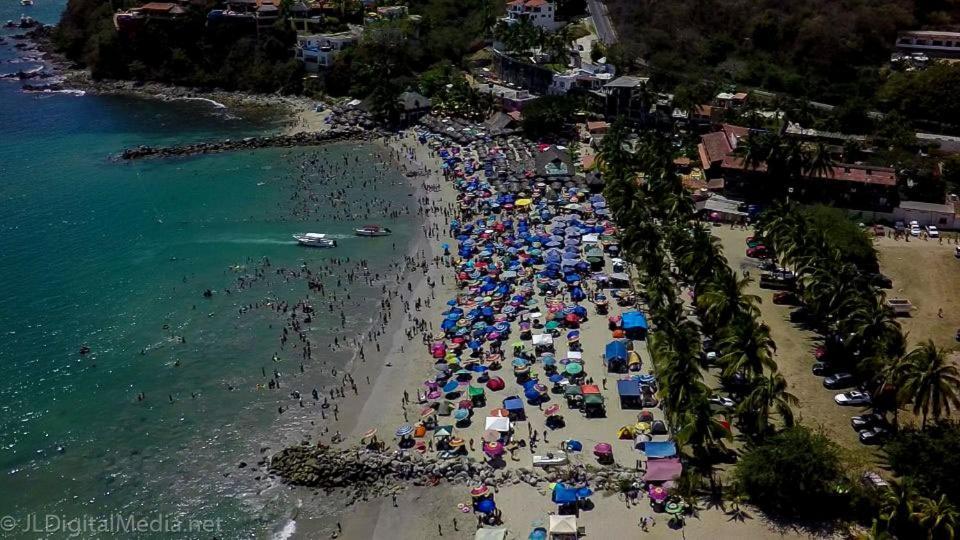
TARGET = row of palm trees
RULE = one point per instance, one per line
(525, 37)
(659, 237)
(904, 513)
(861, 333)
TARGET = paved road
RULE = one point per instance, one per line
(601, 21)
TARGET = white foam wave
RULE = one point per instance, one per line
(286, 532)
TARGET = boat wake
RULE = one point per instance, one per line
(216, 104)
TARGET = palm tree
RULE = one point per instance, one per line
(897, 505)
(875, 330)
(930, 381)
(724, 296)
(701, 430)
(768, 395)
(747, 347)
(820, 162)
(938, 517)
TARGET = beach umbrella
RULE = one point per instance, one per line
(556, 377)
(450, 387)
(461, 414)
(496, 383)
(404, 430)
(519, 362)
(539, 533)
(551, 410)
(493, 448)
(657, 493)
(427, 412)
(491, 435)
(456, 442)
(479, 491)
(673, 508)
(369, 433)
(465, 404)
(571, 369)
(574, 445)
(486, 506)
(603, 449)
(584, 493)
(500, 412)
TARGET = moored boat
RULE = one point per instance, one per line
(373, 230)
(318, 240)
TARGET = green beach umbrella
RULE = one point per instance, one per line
(474, 391)
(574, 369)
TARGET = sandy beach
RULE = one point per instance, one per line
(432, 512)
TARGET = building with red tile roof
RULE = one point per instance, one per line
(540, 13)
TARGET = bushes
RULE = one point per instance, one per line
(842, 234)
(931, 458)
(796, 473)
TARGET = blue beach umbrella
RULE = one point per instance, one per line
(450, 387)
(584, 493)
(486, 506)
(461, 414)
(574, 445)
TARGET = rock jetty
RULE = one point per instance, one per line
(335, 134)
(364, 474)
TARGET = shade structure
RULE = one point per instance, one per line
(450, 387)
(493, 449)
(497, 423)
(496, 383)
(443, 431)
(479, 491)
(498, 533)
(603, 449)
(563, 525)
(503, 413)
(369, 433)
(427, 412)
(658, 493)
(474, 391)
(404, 430)
(486, 506)
(574, 369)
(563, 494)
(456, 442)
(659, 449)
(663, 470)
(551, 410)
(461, 414)
(584, 493)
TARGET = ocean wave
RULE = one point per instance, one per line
(287, 531)
(67, 91)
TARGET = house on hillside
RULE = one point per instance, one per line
(413, 106)
(933, 43)
(317, 51)
(540, 13)
(125, 20)
(845, 185)
(626, 96)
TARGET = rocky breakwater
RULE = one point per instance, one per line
(363, 474)
(335, 134)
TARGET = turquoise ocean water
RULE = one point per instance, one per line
(115, 256)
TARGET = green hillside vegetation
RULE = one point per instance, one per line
(830, 50)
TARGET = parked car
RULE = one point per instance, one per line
(899, 227)
(754, 241)
(914, 228)
(874, 480)
(723, 401)
(758, 252)
(801, 315)
(785, 298)
(853, 397)
(932, 231)
(866, 421)
(877, 435)
(821, 369)
(839, 380)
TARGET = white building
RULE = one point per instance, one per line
(538, 12)
(936, 44)
(317, 51)
(587, 76)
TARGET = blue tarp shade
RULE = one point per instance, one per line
(634, 320)
(513, 404)
(660, 449)
(628, 388)
(616, 350)
(564, 495)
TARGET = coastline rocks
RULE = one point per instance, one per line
(362, 473)
(335, 134)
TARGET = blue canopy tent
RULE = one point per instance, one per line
(630, 397)
(615, 356)
(634, 325)
(515, 406)
(659, 449)
(563, 494)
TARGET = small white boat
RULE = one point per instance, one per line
(318, 240)
(373, 230)
(26, 2)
